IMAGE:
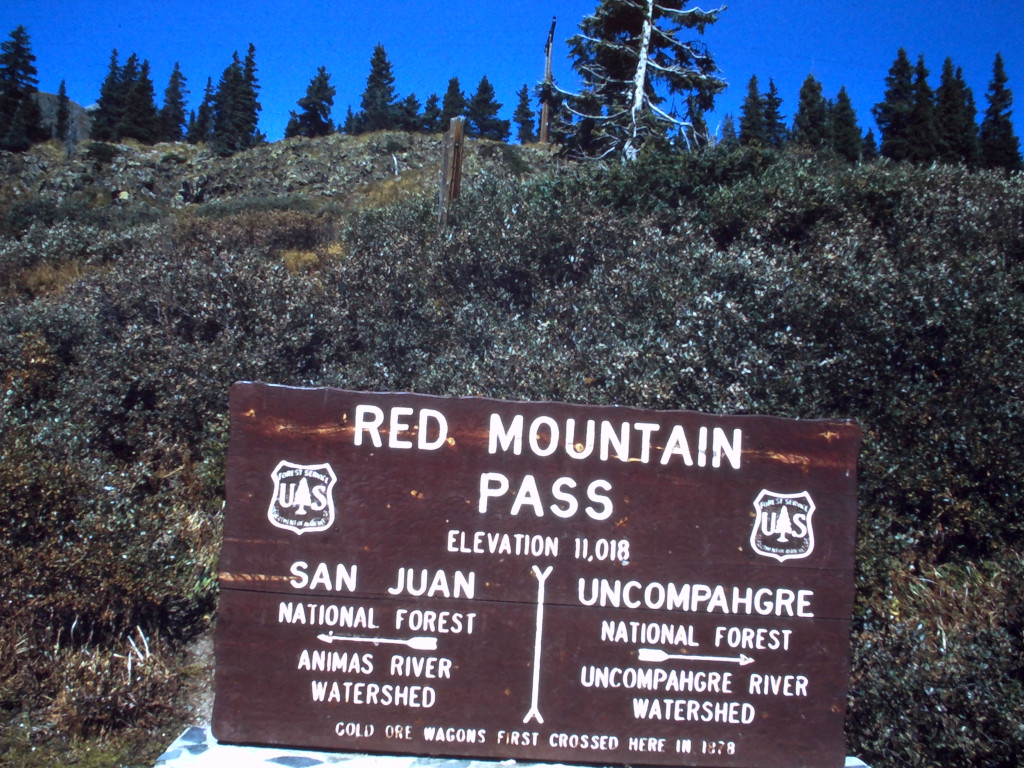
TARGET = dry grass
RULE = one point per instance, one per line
(46, 278)
(397, 188)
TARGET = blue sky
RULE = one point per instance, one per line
(851, 43)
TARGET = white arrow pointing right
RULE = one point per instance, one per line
(656, 656)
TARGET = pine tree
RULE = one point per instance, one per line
(200, 129)
(407, 114)
(21, 122)
(453, 104)
(560, 118)
(630, 58)
(783, 526)
(110, 105)
(697, 134)
(127, 107)
(482, 118)
(349, 126)
(972, 138)
(1000, 147)
(956, 118)
(969, 118)
(431, 121)
(315, 117)
(868, 147)
(378, 106)
(250, 104)
(775, 131)
(893, 113)
(172, 114)
(922, 134)
(14, 133)
(235, 107)
(60, 131)
(229, 120)
(810, 123)
(523, 118)
(303, 498)
(844, 135)
(729, 140)
(752, 129)
(140, 120)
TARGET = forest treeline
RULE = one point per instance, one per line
(916, 122)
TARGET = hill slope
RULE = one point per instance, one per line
(349, 171)
(726, 281)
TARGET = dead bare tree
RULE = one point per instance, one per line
(547, 86)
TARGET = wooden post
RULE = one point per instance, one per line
(545, 107)
(451, 166)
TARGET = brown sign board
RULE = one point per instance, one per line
(470, 577)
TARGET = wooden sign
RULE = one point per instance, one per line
(535, 581)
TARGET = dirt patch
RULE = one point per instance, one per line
(195, 699)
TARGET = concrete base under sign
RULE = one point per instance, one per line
(196, 748)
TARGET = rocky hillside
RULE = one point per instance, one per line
(350, 171)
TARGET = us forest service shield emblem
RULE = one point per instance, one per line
(782, 525)
(303, 498)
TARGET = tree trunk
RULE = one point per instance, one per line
(640, 83)
(545, 107)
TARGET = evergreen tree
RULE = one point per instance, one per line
(630, 58)
(482, 114)
(955, 121)
(869, 147)
(810, 123)
(696, 134)
(235, 107)
(378, 108)
(172, 114)
(752, 129)
(969, 117)
(431, 120)
(315, 117)
(140, 120)
(110, 105)
(783, 527)
(250, 104)
(730, 139)
(453, 104)
(21, 122)
(1000, 147)
(948, 105)
(229, 121)
(775, 131)
(844, 135)
(63, 113)
(922, 134)
(126, 108)
(893, 113)
(407, 114)
(972, 148)
(560, 118)
(349, 127)
(523, 118)
(200, 128)
(14, 133)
